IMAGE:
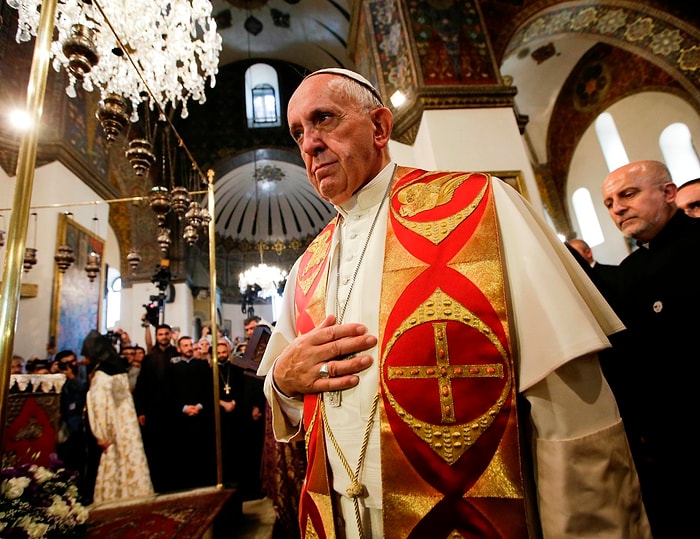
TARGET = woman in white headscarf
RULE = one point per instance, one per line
(123, 469)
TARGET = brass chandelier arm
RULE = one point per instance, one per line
(93, 202)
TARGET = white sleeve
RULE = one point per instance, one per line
(573, 401)
(557, 313)
(286, 411)
(584, 468)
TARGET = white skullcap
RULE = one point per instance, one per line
(350, 75)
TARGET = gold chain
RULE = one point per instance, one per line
(334, 397)
(227, 387)
(356, 489)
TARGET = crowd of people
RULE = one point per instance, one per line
(135, 421)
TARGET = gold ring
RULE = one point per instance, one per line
(323, 371)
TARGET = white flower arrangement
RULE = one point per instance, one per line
(39, 502)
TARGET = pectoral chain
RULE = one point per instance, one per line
(334, 397)
(227, 387)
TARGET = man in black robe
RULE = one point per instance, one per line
(190, 397)
(653, 367)
(149, 399)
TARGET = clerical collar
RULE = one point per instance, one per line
(370, 195)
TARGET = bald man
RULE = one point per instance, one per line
(653, 367)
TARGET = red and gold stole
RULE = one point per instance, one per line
(315, 504)
(449, 432)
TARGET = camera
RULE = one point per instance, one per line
(152, 310)
(113, 337)
(63, 366)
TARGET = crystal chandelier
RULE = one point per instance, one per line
(263, 278)
(173, 43)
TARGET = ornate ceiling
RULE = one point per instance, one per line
(312, 33)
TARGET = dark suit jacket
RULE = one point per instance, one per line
(606, 279)
(654, 365)
(604, 276)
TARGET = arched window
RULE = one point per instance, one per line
(264, 104)
(262, 96)
(586, 216)
(679, 153)
(610, 142)
(113, 299)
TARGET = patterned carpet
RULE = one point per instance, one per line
(169, 516)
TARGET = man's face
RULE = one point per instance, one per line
(186, 348)
(68, 364)
(163, 337)
(196, 350)
(129, 354)
(688, 199)
(223, 351)
(139, 353)
(336, 139)
(583, 250)
(250, 328)
(124, 338)
(638, 203)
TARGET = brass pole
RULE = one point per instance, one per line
(214, 329)
(94, 202)
(19, 220)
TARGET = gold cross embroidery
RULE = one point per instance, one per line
(448, 440)
(444, 373)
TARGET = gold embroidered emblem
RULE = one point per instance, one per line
(318, 251)
(448, 439)
(418, 197)
(31, 431)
